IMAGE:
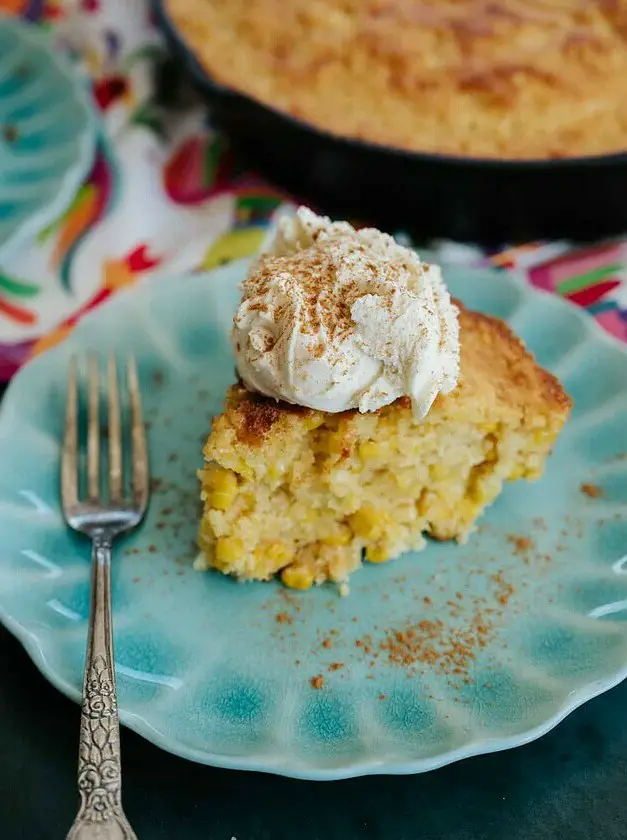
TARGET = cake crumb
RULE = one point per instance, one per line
(317, 681)
(593, 491)
(344, 590)
(10, 133)
(521, 544)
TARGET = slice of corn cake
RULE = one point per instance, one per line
(308, 495)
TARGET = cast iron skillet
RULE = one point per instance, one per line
(427, 195)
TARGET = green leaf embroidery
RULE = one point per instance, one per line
(17, 288)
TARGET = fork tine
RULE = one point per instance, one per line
(93, 431)
(115, 436)
(69, 457)
(139, 455)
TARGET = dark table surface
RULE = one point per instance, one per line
(570, 784)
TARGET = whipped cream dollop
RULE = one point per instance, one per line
(334, 318)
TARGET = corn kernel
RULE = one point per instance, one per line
(342, 537)
(370, 449)
(516, 473)
(303, 513)
(278, 552)
(221, 479)
(211, 474)
(467, 509)
(377, 554)
(297, 578)
(228, 551)
(314, 422)
(332, 443)
(223, 484)
(437, 472)
(221, 501)
(275, 472)
(367, 523)
(242, 468)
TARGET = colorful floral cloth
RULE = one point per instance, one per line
(166, 196)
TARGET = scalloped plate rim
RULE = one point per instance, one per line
(477, 746)
(70, 181)
(142, 727)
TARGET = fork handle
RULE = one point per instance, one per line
(100, 813)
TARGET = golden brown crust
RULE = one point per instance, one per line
(499, 377)
(253, 415)
(530, 78)
(490, 350)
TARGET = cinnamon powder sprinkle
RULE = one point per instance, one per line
(326, 302)
(431, 642)
(283, 618)
(521, 544)
(504, 590)
(10, 133)
(336, 666)
(327, 643)
(317, 681)
(593, 491)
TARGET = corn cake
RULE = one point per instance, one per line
(307, 494)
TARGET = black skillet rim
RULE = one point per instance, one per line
(218, 89)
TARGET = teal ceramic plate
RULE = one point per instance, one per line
(221, 672)
(47, 132)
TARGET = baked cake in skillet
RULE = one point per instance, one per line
(515, 79)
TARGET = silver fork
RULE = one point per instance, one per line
(100, 813)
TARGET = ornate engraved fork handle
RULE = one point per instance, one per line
(100, 815)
